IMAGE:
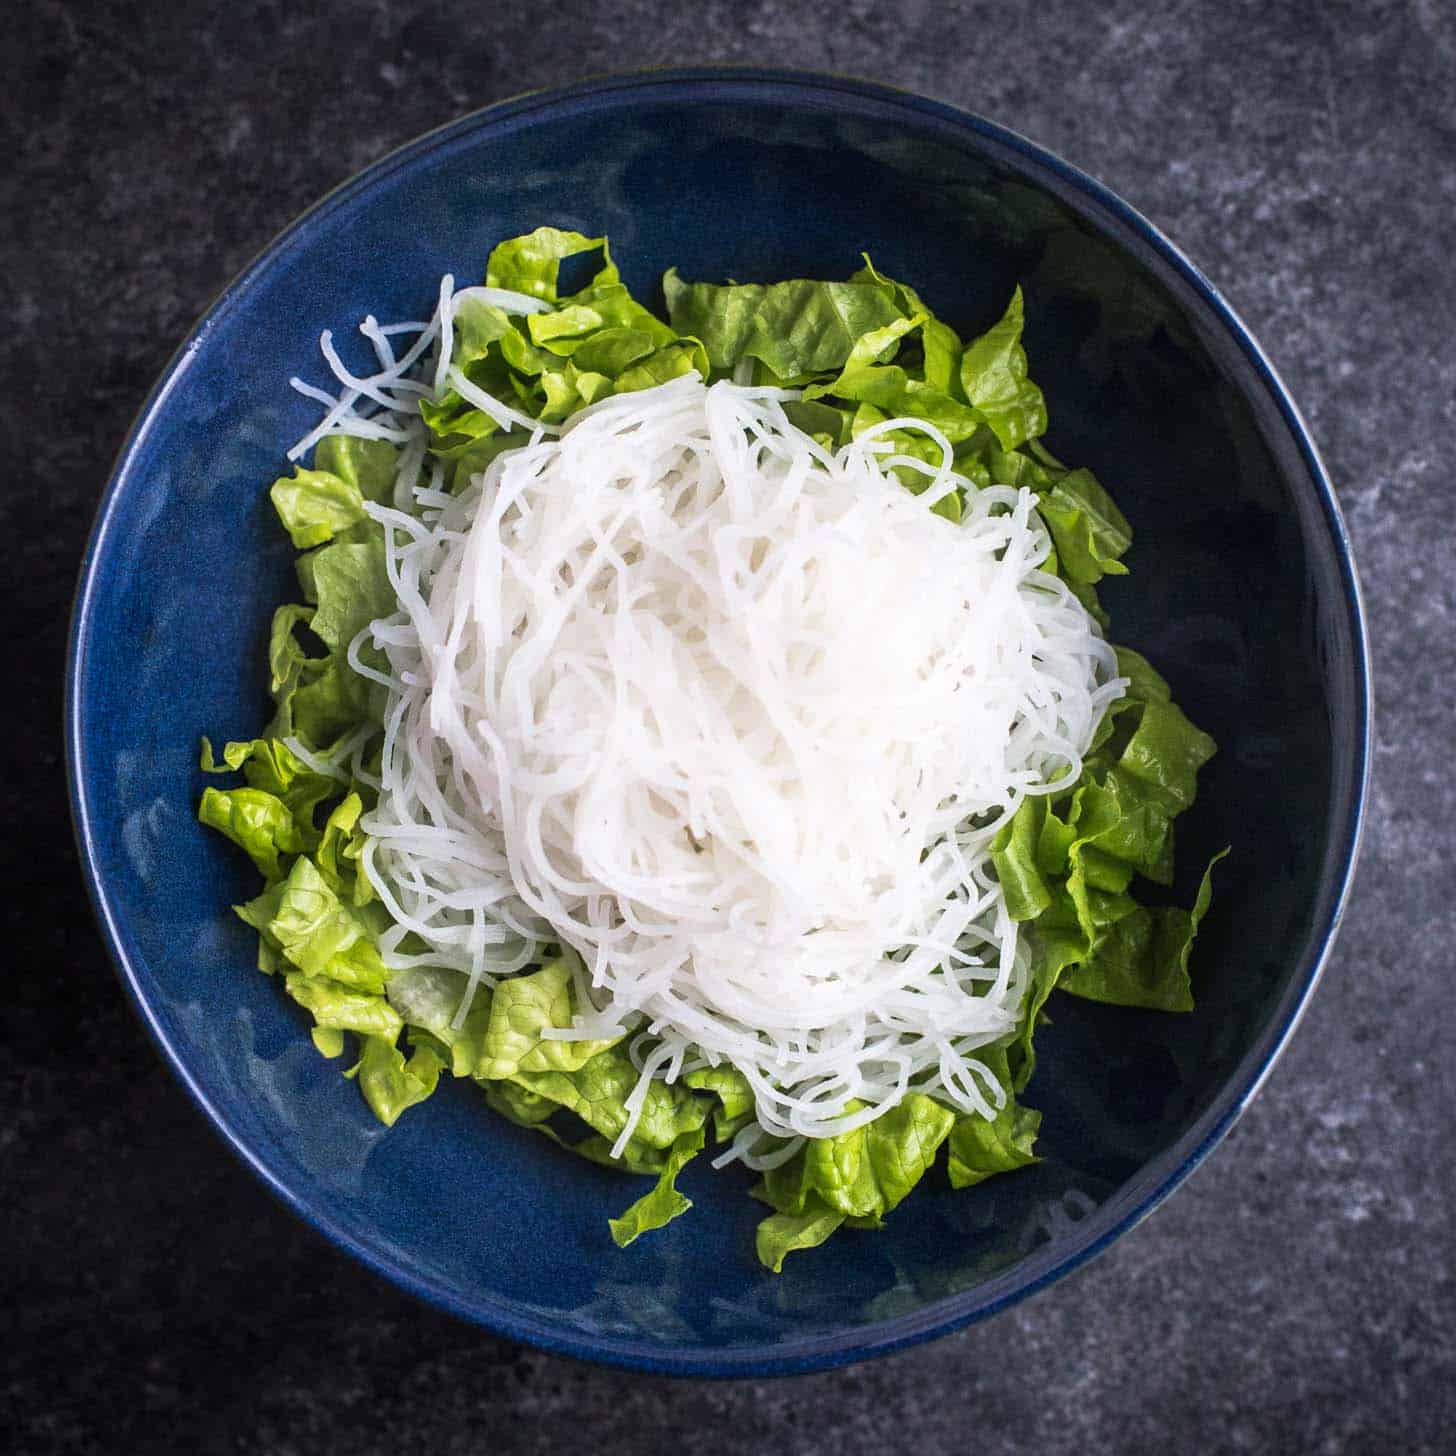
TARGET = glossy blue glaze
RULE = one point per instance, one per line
(1242, 590)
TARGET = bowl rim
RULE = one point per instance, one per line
(1134, 1200)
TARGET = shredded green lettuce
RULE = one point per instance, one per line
(861, 352)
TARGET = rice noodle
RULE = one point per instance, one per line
(735, 719)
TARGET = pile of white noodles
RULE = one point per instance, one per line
(733, 717)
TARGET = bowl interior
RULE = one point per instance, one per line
(1238, 592)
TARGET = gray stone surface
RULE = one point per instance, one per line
(1297, 1296)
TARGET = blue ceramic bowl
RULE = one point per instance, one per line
(1242, 590)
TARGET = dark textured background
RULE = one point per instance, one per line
(1299, 1296)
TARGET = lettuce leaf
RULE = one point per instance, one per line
(321, 698)
(326, 502)
(322, 935)
(329, 1041)
(994, 376)
(588, 345)
(344, 1008)
(339, 850)
(532, 1077)
(1142, 959)
(1067, 864)
(861, 1175)
(270, 765)
(781, 1234)
(521, 1008)
(315, 506)
(734, 1095)
(524, 1108)
(664, 1203)
(940, 344)
(597, 1093)
(982, 1147)
(892, 390)
(1088, 530)
(531, 264)
(795, 329)
(255, 820)
(369, 466)
(389, 1082)
(428, 999)
(351, 588)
